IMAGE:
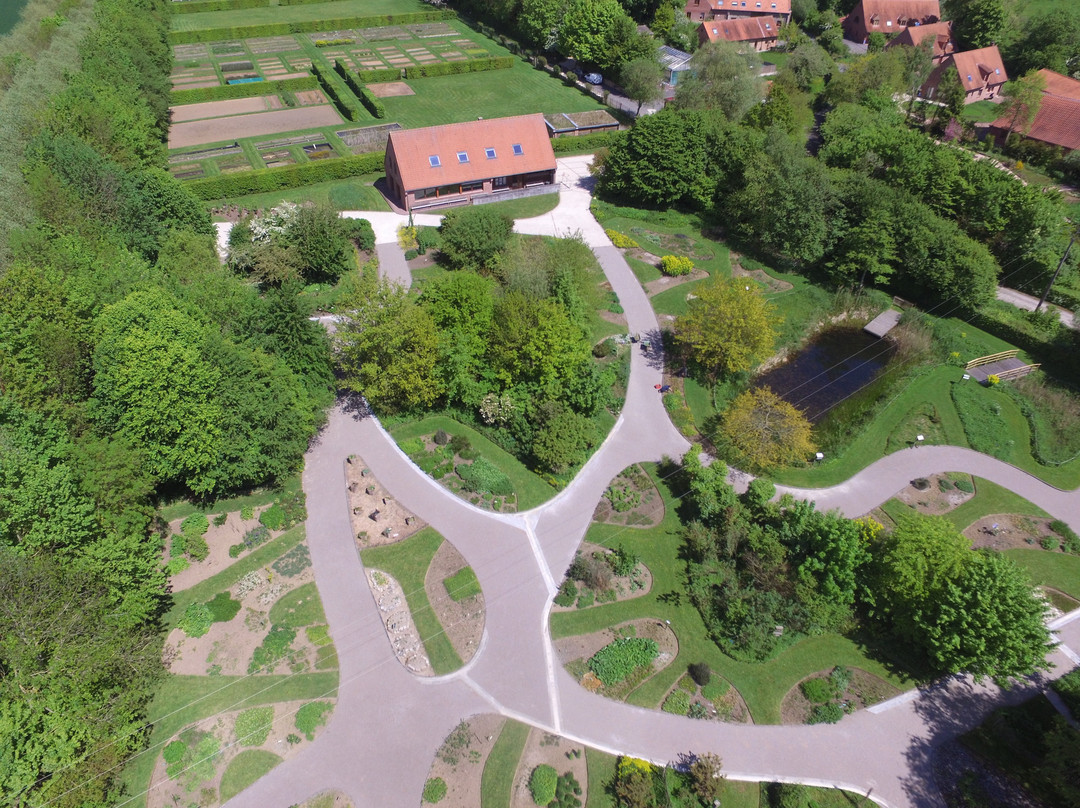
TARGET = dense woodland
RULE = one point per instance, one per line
(133, 367)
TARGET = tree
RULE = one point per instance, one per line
(1049, 40)
(539, 22)
(727, 328)
(950, 95)
(777, 110)
(723, 78)
(976, 23)
(710, 493)
(766, 431)
(707, 776)
(588, 30)
(641, 79)
(807, 62)
(563, 441)
(1023, 97)
(472, 236)
(322, 244)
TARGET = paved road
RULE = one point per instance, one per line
(388, 723)
(1028, 303)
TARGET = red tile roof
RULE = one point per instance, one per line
(1058, 118)
(1064, 86)
(740, 6)
(744, 29)
(980, 68)
(412, 150)
(899, 12)
(941, 32)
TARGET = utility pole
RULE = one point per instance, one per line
(1057, 272)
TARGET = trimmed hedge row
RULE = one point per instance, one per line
(298, 2)
(306, 27)
(345, 106)
(227, 186)
(229, 91)
(194, 6)
(380, 74)
(586, 143)
(457, 68)
(367, 98)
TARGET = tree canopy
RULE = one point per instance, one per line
(766, 431)
(728, 327)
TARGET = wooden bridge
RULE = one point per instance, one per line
(1005, 365)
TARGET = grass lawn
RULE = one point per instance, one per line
(182, 700)
(991, 498)
(355, 193)
(298, 608)
(643, 271)
(302, 13)
(527, 207)
(601, 768)
(501, 766)
(530, 488)
(408, 562)
(762, 685)
(673, 301)
(1056, 570)
(264, 496)
(738, 794)
(245, 769)
(669, 233)
(982, 112)
(699, 400)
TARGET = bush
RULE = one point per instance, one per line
(623, 242)
(1050, 542)
(360, 231)
(273, 518)
(460, 444)
(176, 565)
(457, 68)
(221, 519)
(587, 143)
(441, 438)
(223, 608)
(275, 647)
(840, 679)
(253, 726)
(623, 561)
(434, 790)
(616, 661)
(195, 525)
(818, 691)
(247, 512)
(965, 485)
(825, 714)
(677, 702)
(174, 752)
(1068, 687)
(676, 265)
(379, 75)
(345, 103)
(312, 716)
(700, 673)
(367, 98)
(567, 791)
(483, 477)
(197, 620)
(542, 783)
(411, 254)
(236, 549)
(285, 177)
(568, 593)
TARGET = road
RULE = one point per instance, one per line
(1028, 303)
(388, 723)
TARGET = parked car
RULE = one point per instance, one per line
(594, 78)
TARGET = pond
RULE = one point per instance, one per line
(834, 365)
(9, 14)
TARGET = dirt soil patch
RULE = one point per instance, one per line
(390, 89)
(310, 98)
(759, 275)
(1008, 531)
(864, 690)
(218, 109)
(622, 587)
(653, 288)
(461, 759)
(401, 629)
(256, 124)
(618, 318)
(377, 518)
(574, 652)
(219, 538)
(932, 499)
(555, 751)
(631, 499)
(463, 621)
(729, 707)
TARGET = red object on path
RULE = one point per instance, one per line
(656, 387)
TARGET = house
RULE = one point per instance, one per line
(758, 32)
(459, 162)
(703, 10)
(1057, 121)
(915, 35)
(888, 17)
(981, 74)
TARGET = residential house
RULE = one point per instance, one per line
(757, 32)
(981, 74)
(1057, 121)
(456, 163)
(888, 17)
(703, 10)
(940, 33)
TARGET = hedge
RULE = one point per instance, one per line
(586, 143)
(194, 6)
(457, 68)
(298, 2)
(227, 186)
(305, 27)
(346, 106)
(367, 98)
(380, 74)
(229, 91)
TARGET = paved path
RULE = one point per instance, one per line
(387, 724)
(1028, 303)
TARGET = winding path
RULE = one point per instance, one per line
(388, 723)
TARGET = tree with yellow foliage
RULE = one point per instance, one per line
(728, 327)
(766, 431)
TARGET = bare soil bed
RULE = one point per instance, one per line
(256, 124)
(653, 288)
(574, 653)
(377, 518)
(1008, 531)
(219, 538)
(864, 690)
(390, 89)
(631, 499)
(219, 109)
(553, 750)
(400, 627)
(622, 586)
(460, 761)
(463, 621)
(759, 275)
(310, 98)
(933, 500)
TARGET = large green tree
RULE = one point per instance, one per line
(765, 431)
(977, 23)
(641, 79)
(472, 236)
(727, 328)
(723, 77)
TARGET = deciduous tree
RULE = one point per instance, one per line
(766, 431)
(641, 80)
(472, 236)
(727, 328)
(1023, 97)
(723, 78)
(976, 23)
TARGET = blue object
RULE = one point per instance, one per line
(243, 81)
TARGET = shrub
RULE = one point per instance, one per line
(284, 178)
(457, 68)
(256, 536)
(620, 240)
(567, 791)
(176, 565)
(410, 254)
(197, 620)
(817, 690)
(345, 102)
(483, 477)
(1068, 687)
(542, 784)
(825, 714)
(223, 608)
(275, 647)
(700, 673)
(716, 689)
(195, 525)
(434, 790)
(379, 75)
(273, 517)
(305, 27)
(247, 512)
(1050, 542)
(462, 585)
(312, 716)
(840, 679)
(177, 545)
(228, 92)
(568, 593)
(197, 548)
(367, 98)
(221, 519)
(236, 549)
(460, 443)
(698, 710)
(677, 702)
(676, 265)
(441, 438)
(360, 231)
(965, 485)
(253, 726)
(616, 661)
(623, 561)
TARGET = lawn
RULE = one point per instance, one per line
(601, 768)
(408, 562)
(673, 301)
(298, 608)
(762, 685)
(982, 112)
(1056, 570)
(990, 498)
(530, 488)
(498, 779)
(245, 769)
(355, 193)
(527, 207)
(299, 13)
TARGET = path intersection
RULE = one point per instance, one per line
(388, 723)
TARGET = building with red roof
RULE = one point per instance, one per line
(759, 32)
(888, 17)
(939, 32)
(457, 162)
(981, 73)
(1057, 121)
(705, 10)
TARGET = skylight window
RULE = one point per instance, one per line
(518, 151)
(433, 161)
(462, 157)
(969, 78)
(997, 71)
(768, 27)
(490, 153)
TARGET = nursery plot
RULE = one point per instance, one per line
(219, 109)
(368, 138)
(272, 44)
(253, 125)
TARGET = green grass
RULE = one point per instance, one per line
(245, 769)
(263, 496)
(182, 700)
(527, 207)
(530, 488)
(762, 685)
(738, 794)
(501, 766)
(982, 112)
(303, 13)
(601, 769)
(1057, 570)
(699, 400)
(712, 256)
(408, 562)
(298, 608)
(355, 193)
(673, 301)
(257, 559)
(991, 498)
(462, 585)
(643, 271)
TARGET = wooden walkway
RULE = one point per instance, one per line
(1004, 365)
(883, 323)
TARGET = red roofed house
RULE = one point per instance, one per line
(939, 32)
(981, 74)
(704, 10)
(888, 17)
(451, 164)
(1057, 121)
(757, 31)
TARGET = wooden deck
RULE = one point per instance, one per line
(883, 323)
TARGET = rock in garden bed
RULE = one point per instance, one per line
(400, 627)
(377, 517)
(1009, 531)
(938, 493)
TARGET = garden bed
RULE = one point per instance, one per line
(716, 700)
(938, 493)
(455, 463)
(594, 587)
(456, 598)
(459, 763)
(401, 629)
(632, 500)
(1009, 531)
(653, 288)
(575, 651)
(219, 538)
(861, 690)
(545, 749)
(377, 517)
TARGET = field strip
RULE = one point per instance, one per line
(194, 133)
(218, 109)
